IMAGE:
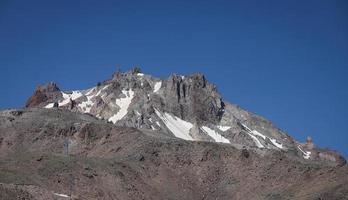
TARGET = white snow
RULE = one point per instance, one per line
(223, 128)
(104, 88)
(140, 74)
(177, 126)
(157, 86)
(66, 97)
(87, 105)
(254, 133)
(76, 95)
(257, 141)
(123, 103)
(306, 154)
(50, 105)
(182, 77)
(138, 113)
(90, 91)
(250, 133)
(275, 143)
(61, 195)
(247, 128)
(217, 137)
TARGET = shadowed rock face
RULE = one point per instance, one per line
(193, 98)
(111, 162)
(187, 107)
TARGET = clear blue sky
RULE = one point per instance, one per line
(284, 60)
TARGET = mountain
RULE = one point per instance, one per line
(136, 136)
(187, 107)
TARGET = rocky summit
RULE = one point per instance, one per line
(136, 136)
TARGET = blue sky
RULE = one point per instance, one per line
(284, 60)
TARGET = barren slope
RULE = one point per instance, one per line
(110, 162)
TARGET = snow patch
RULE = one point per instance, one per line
(87, 105)
(50, 105)
(123, 103)
(61, 195)
(275, 143)
(104, 88)
(306, 154)
(247, 128)
(223, 128)
(157, 86)
(90, 91)
(138, 113)
(179, 127)
(140, 74)
(253, 133)
(66, 97)
(217, 137)
(257, 141)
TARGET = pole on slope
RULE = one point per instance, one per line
(66, 151)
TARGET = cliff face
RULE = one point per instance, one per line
(186, 107)
(193, 98)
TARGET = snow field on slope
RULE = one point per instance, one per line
(123, 103)
(257, 141)
(87, 105)
(213, 134)
(306, 154)
(179, 127)
(254, 133)
(223, 128)
(66, 98)
(157, 86)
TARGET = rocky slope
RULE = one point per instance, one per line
(56, 153)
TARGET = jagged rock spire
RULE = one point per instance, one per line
(42, 94)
